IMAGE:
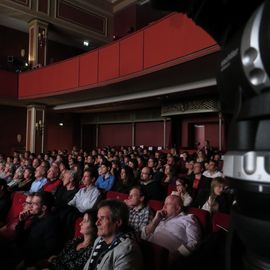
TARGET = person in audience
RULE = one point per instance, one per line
(115, 247)
(39, 240)
(212, 171)
(8, 231)
(133, 164)
(152, 163)
(5, 201)
(139, 212)
(87, 196)
(35, 163)
(181, 191)
(152, 188)
(126, 180)
(28, 178)
(53, 179)
(77, 251)
(218, 201)
(171, 228)
(105, 181)
(40, 180)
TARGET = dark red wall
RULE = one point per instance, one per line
(61, 137)
(8, 84)
(211, 128)
(12, 122)
(115, 135)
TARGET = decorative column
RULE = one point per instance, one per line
(35, 128)
(38, 35)
(219, 131)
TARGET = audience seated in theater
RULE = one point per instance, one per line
(139, 212)
(39, 240)
(8, 230)
(115, 247)
(152, 163)
(152, 188)
(212, 171)
(116, 168)
(105, 181)
(87, 196)
(28, 178)
(207, 150)
(169, 175)
(133, 164)
(2, 169)
(40, 180)
(53, 179)
(200, 157)
(5, 200)
(35, 163)
(63, 167)
(126, 180)
(197, 181)
(218, 200)
(181, 191)
(171, 228)
(77, 251)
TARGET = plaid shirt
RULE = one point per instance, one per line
(139, 218)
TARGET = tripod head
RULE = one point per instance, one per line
(242, 30)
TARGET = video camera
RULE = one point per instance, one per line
(242, 29)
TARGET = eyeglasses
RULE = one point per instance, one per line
(29, 203)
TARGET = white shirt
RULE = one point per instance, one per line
(181, 233)
(212, 175)
(85, 198)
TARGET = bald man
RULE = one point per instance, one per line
(173, 229)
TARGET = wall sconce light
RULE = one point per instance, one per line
(42, 38)
(39, 128)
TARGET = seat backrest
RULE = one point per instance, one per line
(155, 204)
(170, 189)
(77, 227)
(220, 221)
(116, 195)
(203, 217)
(18, 200)
(155, 257)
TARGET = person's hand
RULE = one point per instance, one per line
(160, 214)
(127, 202)
(24, 215)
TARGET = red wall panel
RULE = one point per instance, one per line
(8, 84)
(131, 54)
(59, 137)
(149, 133)
(108, 62)
(115, 135)
(13, 122)
(88, 68)
(211, 133)
(171, 38)
(51, 79)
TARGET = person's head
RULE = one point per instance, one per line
(28, 202)
(172, 206)
(88, 177)
(217, 186)
(28, 173)
(197, 168)
(105, 167)
(136, 197)
(126, 174)
(146, 174)
(40, 172)
(42, 202)
(112, 218)
(181, 185)
(171, 160)
(88, 224)
(69, 178)
(212, 167)
(53, 173)
(167, 169)
(152, 162)
(35, 163)
(133, 163)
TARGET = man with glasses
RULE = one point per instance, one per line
(38, 240)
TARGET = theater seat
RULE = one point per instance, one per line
(155, 205)
(116, 195)
(155, 257)
(170, 189)
(220, 221)
(18, 200)
(203, 217)
(77, 227)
